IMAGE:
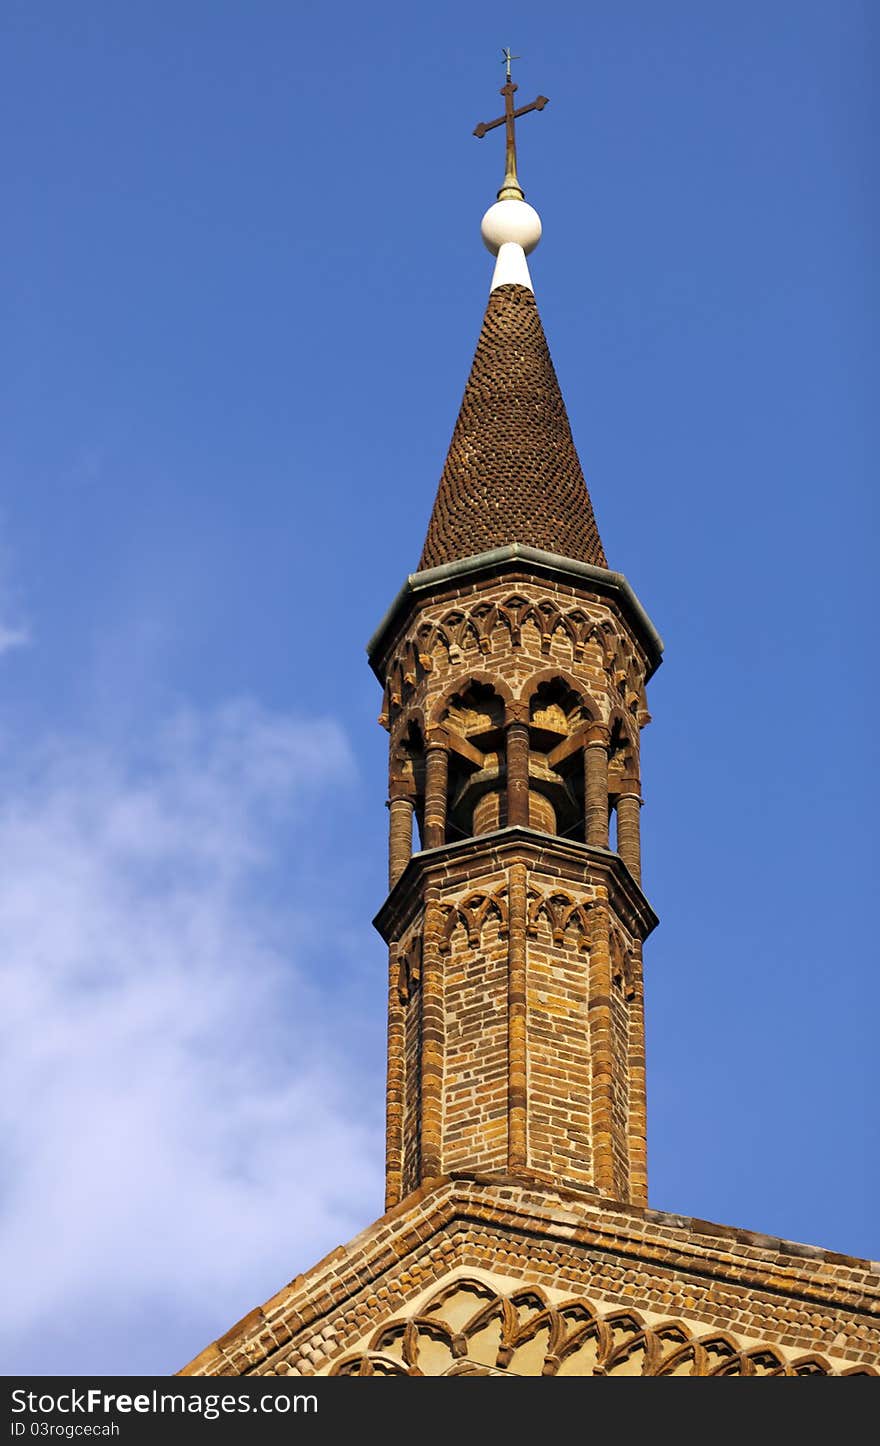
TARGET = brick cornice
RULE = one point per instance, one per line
(472, 858)
(515, 561)
(517, 1210)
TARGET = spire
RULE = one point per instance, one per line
(512, 473)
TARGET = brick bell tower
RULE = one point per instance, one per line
(514, 665)
(517, 1239)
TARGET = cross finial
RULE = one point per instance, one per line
(511, 190)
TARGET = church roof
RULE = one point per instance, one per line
(570, 1260)
(512, 473)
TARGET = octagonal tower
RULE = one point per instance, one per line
(513, 665)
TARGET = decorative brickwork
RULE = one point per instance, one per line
(469, 1328)
(512, 473)
(530, 972)
(517, 1239)
(632, 1278)
(515, 702)
(511, 635)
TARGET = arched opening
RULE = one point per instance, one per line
(623, 796)
(473, 721)
(557, 716)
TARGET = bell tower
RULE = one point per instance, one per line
(514, 665)
(517, 1238)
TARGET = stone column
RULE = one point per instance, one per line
(517, 765)
(596, 787)
(517, 1138)
(436, 784)
(629, 803)
(400, 826)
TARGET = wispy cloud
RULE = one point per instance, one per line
(174, 1121)
(14, 631)
(13, 637)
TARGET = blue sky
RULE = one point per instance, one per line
(242, 282)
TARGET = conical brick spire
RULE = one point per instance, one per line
(512, 473)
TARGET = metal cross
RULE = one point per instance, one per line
(511, 188)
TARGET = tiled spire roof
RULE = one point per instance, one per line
(512, 473)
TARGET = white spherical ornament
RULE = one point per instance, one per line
(511, 221)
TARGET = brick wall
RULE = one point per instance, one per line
(518, 1043)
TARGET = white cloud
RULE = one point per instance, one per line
(174, 1121)
(10, 638)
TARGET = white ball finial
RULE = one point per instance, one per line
(510, 230)
(514, 221)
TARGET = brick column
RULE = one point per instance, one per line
(395, 1086)
(596, 787)
(436, 783)
(601, 1050)
(629, 802)
(400, 826)
(638, 1117)
(517, 766)
(517, 1136)
(431, 1151)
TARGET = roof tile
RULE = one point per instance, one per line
(512, 473)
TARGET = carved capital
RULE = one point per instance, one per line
(401, 787)
(516, 711)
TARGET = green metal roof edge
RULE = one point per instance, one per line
(603, 577)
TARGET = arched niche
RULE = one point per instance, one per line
(558, 712)
(472, 719)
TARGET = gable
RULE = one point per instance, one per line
(507, 1277)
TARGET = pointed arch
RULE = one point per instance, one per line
(560, 910)
(623, 721)
(511, 614)
(461, 683)
(484, 617)
(605, 635)
(576, 686)
(472, 914)
(469, 1326)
